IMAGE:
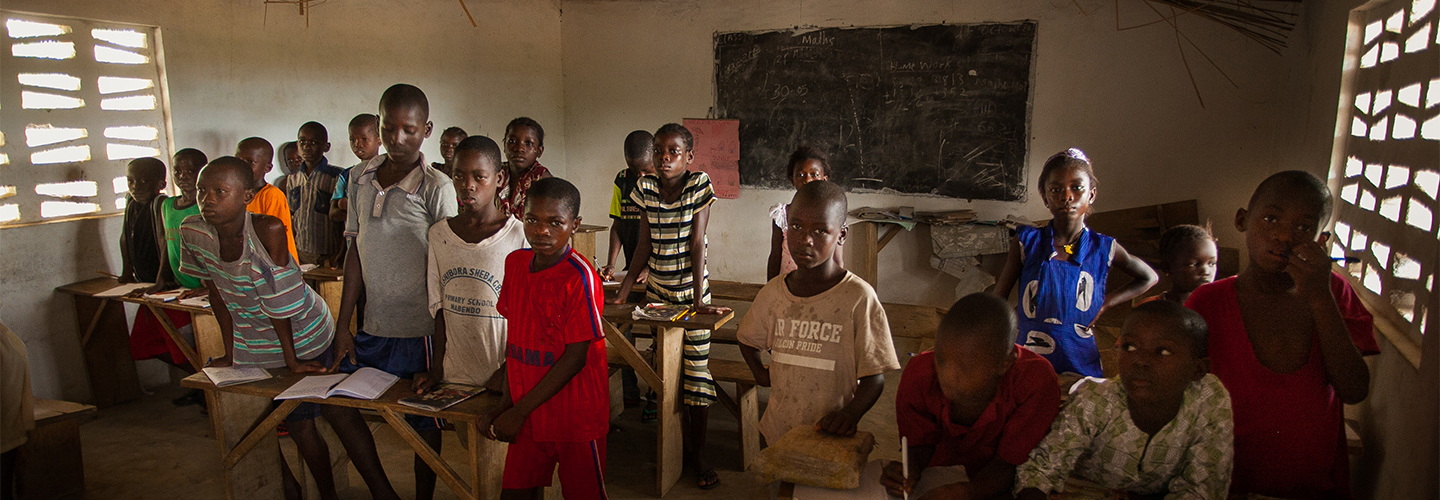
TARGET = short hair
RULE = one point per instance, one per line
(1172, 239)
(484, 145)
(318, 127)
(639, 144)
(676, 128)
(1186, 322)
(256, 143)
(231, 166)
(288, 145)
(803, 154)
(405, 95)
(525, 121)
(1297, 180)
(555, 188)
(455, 130)
(824, 193)
(1067, 158)
(148, 167)
(367, 120)
(193, 155)
(983, 315)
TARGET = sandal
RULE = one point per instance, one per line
(707, 480)
(649, 415)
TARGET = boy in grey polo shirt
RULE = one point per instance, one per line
(393, 201)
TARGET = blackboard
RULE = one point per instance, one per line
(929, 110)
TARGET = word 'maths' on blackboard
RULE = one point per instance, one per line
(936, 110)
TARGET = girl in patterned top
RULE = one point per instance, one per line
(676, 203)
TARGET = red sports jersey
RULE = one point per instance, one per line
(547, 310)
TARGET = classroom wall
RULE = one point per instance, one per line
(236, 70)
(1124, 97)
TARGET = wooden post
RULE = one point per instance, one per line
(669, 441)
(748, 397)
(208, 343)
(255, 475)
(862, 249)
(106, 346)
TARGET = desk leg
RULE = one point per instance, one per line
(248, 476)
(862, 251)
(208, 343)
(332, 292)
(105, 342)
(669, 442)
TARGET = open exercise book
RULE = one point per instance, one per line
(234, 375)
(365, 383)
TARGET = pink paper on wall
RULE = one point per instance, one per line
(717, 153)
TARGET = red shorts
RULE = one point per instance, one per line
(530, 464)
(148, 338)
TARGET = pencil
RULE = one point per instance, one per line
(108, 275)
(905, 462)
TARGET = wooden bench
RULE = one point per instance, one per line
(49, 464)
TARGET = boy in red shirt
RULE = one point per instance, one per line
(558, 409)
(1287, 338)
(978, 401)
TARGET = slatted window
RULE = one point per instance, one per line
(81, 98)
(1387, 166)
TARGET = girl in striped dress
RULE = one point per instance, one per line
(676, 204)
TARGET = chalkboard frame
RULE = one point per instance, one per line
(1015, 170)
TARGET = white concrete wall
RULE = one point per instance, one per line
(235, 71)
(1124, 97)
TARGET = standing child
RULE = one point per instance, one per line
(364, 132)
(466, 269)
(977, 401)
(268, 200)
(806, 165)
(625, 230)
(828, 337)
(1188, 255)
(397, 198)
(557, 408)
(185, 169)
(524, 143)
(1287, 338)
(141, 256)
(290, 158)
(1062, 269)
(1163, 429)
(450, 138)
(307, 190)
(268, 317)
(676, 203)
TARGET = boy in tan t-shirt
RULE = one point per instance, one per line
(823, 326)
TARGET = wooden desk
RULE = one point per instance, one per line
(584, 241)
(243, 418)
(863, 246)
(719, 290)
(331, 286)
(664, 377)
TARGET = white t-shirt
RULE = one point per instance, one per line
(464, 279)
(819, 347)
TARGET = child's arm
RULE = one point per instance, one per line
(507, 425)
(642, 255)
(1144, 278)
(127, 271)
(893, 476)
(1345, 368)
(843, 422)
(777, 242)
(354, 283)
(697, 263)
(165, 279)
(272, 237)
(337, 210)
(227, 326)
(424, 381)
(486, 424)
(1011, 273)
(1052, 460)
(993, 479)
(752, 358)
(607, 273)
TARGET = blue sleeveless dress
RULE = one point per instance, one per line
(1059, 299)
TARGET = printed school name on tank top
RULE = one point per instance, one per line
(1060, 298)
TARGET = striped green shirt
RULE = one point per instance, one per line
(256, 290)
(671, 274)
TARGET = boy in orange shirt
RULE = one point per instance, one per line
(269, 200)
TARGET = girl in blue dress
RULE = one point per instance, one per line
(1062, 269)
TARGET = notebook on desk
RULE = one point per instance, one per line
(365, 383)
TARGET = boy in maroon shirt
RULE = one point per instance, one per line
(977, 401)
(558, 406)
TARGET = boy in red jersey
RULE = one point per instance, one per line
(558, 407)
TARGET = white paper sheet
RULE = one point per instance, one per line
(123, 289)
(314, 386)
(365, 383)
(235, 375)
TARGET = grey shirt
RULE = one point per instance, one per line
(390, 226)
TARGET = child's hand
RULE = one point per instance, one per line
(762, 377)
(486, 424)
(839, 423)
(710, 309)
(159, 287)
(194, 292)
(1310, 268)
(644, 275)
(307, 366)
(508, 424)
(424, 381)
(344, 346)
(220, 362)
(894, 480)
(607, 273)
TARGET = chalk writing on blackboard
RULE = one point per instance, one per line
(717, 153)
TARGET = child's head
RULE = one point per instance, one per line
(404, 122)
(259, 154)
(450, 138)
(1189, 256)
(1287, 209)
(674, 150)
(224, 189)
(1068, 184)
(817, 223)
(185, 169)
(477, 175)
(290, 154)
(1163, 348)
(365, 136)
(524, 143)
(313, 141)
(640, 152)
(807, 164)
(974, 347)
(552, 214)
(145, 177)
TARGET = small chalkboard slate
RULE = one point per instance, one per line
(937, 110)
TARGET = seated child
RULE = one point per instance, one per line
(625, 230)
(1062, 269)
(806, 165)
(556, 410)
(141, 255)
(977, 401)
(823, 326)
(524, 143)
(1188, 256)
(450, 138)
(1287, 338)
(307, 190)
(1163, 429)
(268, 317)
(268, 199)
